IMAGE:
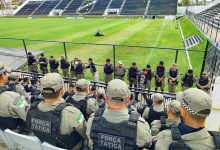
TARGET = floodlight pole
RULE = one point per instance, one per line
(25, 48)
(114, 59)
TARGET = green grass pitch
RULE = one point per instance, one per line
(160, 33)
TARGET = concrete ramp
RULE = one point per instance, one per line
(15, 58)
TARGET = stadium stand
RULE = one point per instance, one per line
(132, 7)
(72, 7)
(116, 4)
(29, 8)
(99, 7)
(158, 7)
(45, 8)
(62, 5)
(213, 14)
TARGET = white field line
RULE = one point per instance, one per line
(186, 50)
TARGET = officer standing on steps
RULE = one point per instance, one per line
(191, 134)
(113, 127)
(108, 70)
(54, 64)
(82, 100)
(120, 71)
(93, 70)
(188, 80)
(53, 120)
(31, 61)
(13, 106)
(133, 73)
(43, 64)
(16, 86)
(160, 76)
(73, 65)
(80, 69)
(149, 76)
(203, 82)
(173, 117)
(64, 65)
(172, 78)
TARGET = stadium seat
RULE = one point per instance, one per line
(23, 142)
(47, 146)
(4, 140)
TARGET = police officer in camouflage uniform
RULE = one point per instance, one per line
(13, 106)
(173, 117)
(188, 80)
(203, 82)
(53, 120)
(120, 71)
(108, 70)
(54, 64)
(82, 98)
(195, 107)
(43, 64)
(113, 127)
(16, 86)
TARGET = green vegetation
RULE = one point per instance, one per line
(158, 33)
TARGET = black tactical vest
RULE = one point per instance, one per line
(132, 72)
(108, 69)
(81, 105)
(160, 71)
(149, 75)
(79, 69)
(46, 126)
(203, 82)
(154, 115)
(108, 136)
(187, 81)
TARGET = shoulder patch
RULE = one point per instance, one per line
(79, 118)
(20, 102)
(141, 120)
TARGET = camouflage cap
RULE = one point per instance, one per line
(100, 91)
(15, 75)
(51, 83)
(117, 90)
(82, 84)
(3, 68)
(174, 106)
(158, 97)
(195, 101)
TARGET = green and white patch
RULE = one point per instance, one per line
(20, 102)
(79, 117)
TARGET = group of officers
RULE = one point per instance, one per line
(104, 120)
(137, 78)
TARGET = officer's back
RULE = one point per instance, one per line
(13, 106)
(82, 100)
(53, 120)
(112, 127)
(195, 107)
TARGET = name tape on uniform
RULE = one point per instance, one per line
(41, 125)
(110, 141)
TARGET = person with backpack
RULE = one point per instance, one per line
(156, 111)
(173, 117)
(191, 133)
(108, 70)
(53, 120)
(113, 127)
(82, 99)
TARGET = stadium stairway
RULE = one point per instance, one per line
(86, 7)
(192, 41)
(116, 4)
(99, 7)
(72, 7)
(29, 8)
(136, 7)
(46, 8)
